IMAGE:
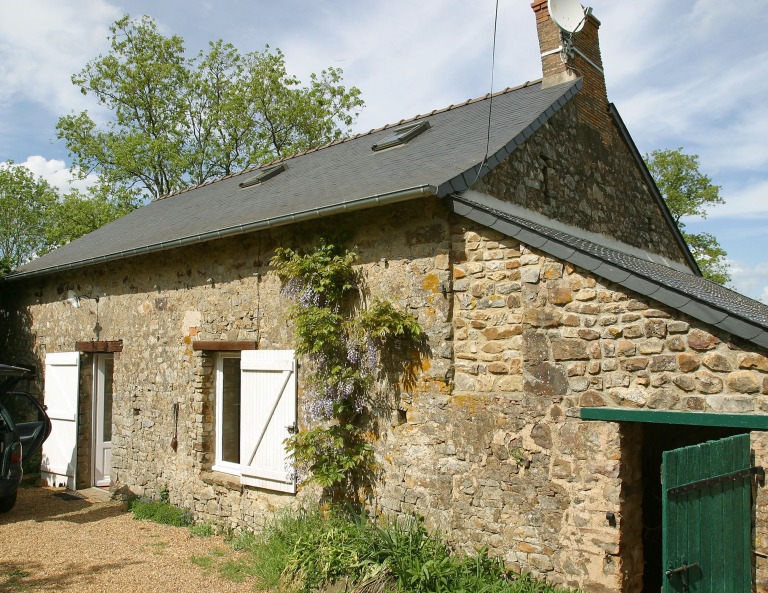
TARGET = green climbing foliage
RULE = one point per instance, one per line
(348, 351)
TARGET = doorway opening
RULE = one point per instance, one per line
(103, 371)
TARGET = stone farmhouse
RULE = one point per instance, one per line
(591, 409)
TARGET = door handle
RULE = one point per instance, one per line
(682, 569)
(683, 572)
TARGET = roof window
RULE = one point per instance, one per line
(263, 175)
(401, 135)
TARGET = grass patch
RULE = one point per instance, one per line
(159, 548)
(237, 570)
(14, 581)
(159, 511)
(205, 562)
(201, 530)
(217, 559)
(306, 551)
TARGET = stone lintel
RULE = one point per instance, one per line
(99, 346)
(224, 345)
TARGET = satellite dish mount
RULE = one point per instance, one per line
(570, 16)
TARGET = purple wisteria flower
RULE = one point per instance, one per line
(309, 298)
(354, 354)
(293, 288)
(372, 355)
(346, 388)
(318, 408)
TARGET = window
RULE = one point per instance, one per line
(255, 413)
(228, 413)
(263, 175)
(401, 135)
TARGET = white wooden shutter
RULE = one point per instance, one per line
(267, 413)
(62, 378)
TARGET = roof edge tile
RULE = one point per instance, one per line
(630, 272)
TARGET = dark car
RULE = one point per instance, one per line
(24, 426)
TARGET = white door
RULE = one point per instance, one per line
(62, 377)
(102, 414)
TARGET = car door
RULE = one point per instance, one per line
(29, 417)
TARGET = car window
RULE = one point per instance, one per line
(21, 407)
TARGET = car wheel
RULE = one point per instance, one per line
(7, 502)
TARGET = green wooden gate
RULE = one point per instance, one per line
(706, 517)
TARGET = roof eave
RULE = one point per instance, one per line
(305, 215)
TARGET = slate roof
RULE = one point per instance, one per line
(345, 175)
(698, 297)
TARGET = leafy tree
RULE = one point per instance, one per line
(689, 192)
(178, 121)
(26, 204)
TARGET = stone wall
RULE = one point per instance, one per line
(502, 459)
(224, 290)
(567, 172)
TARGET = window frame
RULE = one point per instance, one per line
(219, 464)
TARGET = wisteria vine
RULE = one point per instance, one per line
(345, 349)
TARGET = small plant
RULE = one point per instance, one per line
(160, 511)
(201, 530)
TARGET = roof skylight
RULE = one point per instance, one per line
(401, 135)
(263, 175)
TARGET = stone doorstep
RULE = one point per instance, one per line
(96, 494)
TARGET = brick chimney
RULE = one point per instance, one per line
(582, 60)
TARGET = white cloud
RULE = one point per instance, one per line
(440, 54)
(750, 199)
(57, 173)
(43, 42)
(750, 279)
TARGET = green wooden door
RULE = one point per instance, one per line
(706, 517)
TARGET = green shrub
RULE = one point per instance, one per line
(274, 548)
(307, 550)
(160, 511)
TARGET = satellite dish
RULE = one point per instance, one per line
(73, 299)
(568, 14)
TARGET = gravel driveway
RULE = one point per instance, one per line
(83, 545)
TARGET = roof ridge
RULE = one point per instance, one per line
(450, 107)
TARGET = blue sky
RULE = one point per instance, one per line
(691, 74)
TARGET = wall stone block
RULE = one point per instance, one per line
(708, 383)
(688, 362)
(715, 361)
(700, 340)
(753, 361)
(568, 349)
(743, 382)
